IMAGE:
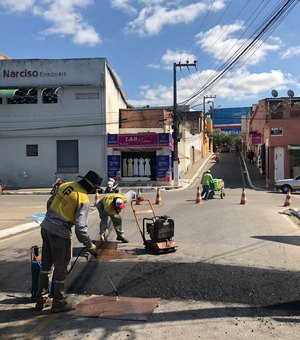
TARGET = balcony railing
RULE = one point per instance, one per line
(295, 111)
(277, 115)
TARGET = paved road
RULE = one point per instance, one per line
(235, 274)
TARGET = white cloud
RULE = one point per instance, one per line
(64, 16)
(171, 57)
(291, 52)
(124, 5)
(68, 21)
(17, 6)
(153, 17)
(236, 87)
(219, 42)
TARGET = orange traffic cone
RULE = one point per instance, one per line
(288, 200)
(244, 198)
(97, 197)
(198, 198)
(158, 197)
(138, 202)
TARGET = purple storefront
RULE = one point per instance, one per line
(144, 157)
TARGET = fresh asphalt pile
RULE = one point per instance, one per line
(212, 282)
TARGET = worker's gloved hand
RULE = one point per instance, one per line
(140, 198)
(91, 247)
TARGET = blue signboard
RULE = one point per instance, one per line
(113, 166)
(231, 131)
(230, 116)
(164, 139)
(163, 166)
(112, 139)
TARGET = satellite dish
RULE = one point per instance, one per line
(290, 93)
(274, 93)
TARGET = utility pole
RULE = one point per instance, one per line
(176, 136)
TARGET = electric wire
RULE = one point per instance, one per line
(232, 61)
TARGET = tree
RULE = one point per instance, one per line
(223, 138)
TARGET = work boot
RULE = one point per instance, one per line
(63, 306)
(122, 239)
(41, 304)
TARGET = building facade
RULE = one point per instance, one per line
(274, 137)
(142, 151)
(55, 116)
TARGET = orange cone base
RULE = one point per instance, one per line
(288, 201)
(199, 198)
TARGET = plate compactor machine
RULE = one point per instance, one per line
(157, 231)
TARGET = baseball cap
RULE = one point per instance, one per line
(120, 204)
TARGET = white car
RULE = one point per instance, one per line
(286, 185)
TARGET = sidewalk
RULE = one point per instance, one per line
(257, 180)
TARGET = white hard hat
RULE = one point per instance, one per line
(120, 204)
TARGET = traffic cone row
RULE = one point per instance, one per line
(158, 197)
(244, 197)
(97, 197)
(198, 198)
(288, 200)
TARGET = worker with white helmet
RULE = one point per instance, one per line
(110, 206)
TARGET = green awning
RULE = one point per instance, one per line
(8, 93)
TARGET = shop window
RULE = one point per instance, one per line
(24, 96)
(67, 156)
(49, 95)
(32, 150)
(31, 96)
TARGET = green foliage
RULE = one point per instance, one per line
(221, 138)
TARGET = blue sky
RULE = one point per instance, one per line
(143, 38)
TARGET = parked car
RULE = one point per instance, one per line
(289, 184)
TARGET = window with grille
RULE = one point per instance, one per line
(32, 150)
(67, 156)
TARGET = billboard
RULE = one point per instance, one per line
(51, 72)
(229, 119)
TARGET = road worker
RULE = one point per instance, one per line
(69, 207)
(111, 206)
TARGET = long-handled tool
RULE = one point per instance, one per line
(115, 289)
(36, 264)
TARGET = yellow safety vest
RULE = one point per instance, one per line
(68, 198)
(108, 203)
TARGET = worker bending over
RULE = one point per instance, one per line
(110, 206)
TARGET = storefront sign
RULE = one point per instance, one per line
(163, 168)
(276, 131)
(51, 72)
(255, 138)
(114, 166)
(138, 140)
(165, 139)
(112, 140)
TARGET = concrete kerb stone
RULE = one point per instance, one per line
(18, 229)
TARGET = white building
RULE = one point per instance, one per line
(54, 119)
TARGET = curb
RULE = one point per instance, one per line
(18, 229)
